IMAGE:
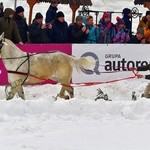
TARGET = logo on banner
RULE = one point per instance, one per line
(96, 68)
(111, 63)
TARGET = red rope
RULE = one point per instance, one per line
(111, 81)
(79, 84)
(23, 73)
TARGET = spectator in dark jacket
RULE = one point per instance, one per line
(60, 29)
(127, 19)
(1, 10)
(21, 23)
(39, 32)
(9, 26)
(77, 31)
(138, 38)
(51, 12)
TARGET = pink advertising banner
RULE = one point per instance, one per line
(35, 48)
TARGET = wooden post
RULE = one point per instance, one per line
(74, 8)
(15, 4)
(31, 4)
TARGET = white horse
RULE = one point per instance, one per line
(23, 67)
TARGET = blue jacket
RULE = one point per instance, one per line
(92, 37)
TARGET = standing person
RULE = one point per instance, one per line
(60, 29)
(51, 12)
(9, 26)
(106, 29)
(21, 23)
(145, 21)
(77, 31)
(1, 10)
(146, 93)
(39, 32)
(122, 34)
(127, 16)
(138, 38)
(92, 30)
(145, 24)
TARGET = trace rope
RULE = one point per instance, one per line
(74, 84)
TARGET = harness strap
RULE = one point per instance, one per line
(22, 73)
(28, 58)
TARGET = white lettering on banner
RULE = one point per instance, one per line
(0, 71)
(112, 57)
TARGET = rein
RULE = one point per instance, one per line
(78, 84)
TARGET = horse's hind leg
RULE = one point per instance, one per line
(147, 91)
(70, 91)
(62, 93)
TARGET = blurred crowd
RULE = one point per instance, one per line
(56, 30)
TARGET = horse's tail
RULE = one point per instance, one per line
(82, 63)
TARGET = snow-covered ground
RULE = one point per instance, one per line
(40, 123)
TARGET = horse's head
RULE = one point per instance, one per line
(1, 40)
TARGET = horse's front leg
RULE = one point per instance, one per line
(21, 93)
(8, 92)
(15, 87)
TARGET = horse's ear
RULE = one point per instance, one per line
(2, 36)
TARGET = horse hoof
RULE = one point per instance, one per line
(67, 97)
(9, 96)
(22, 97)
